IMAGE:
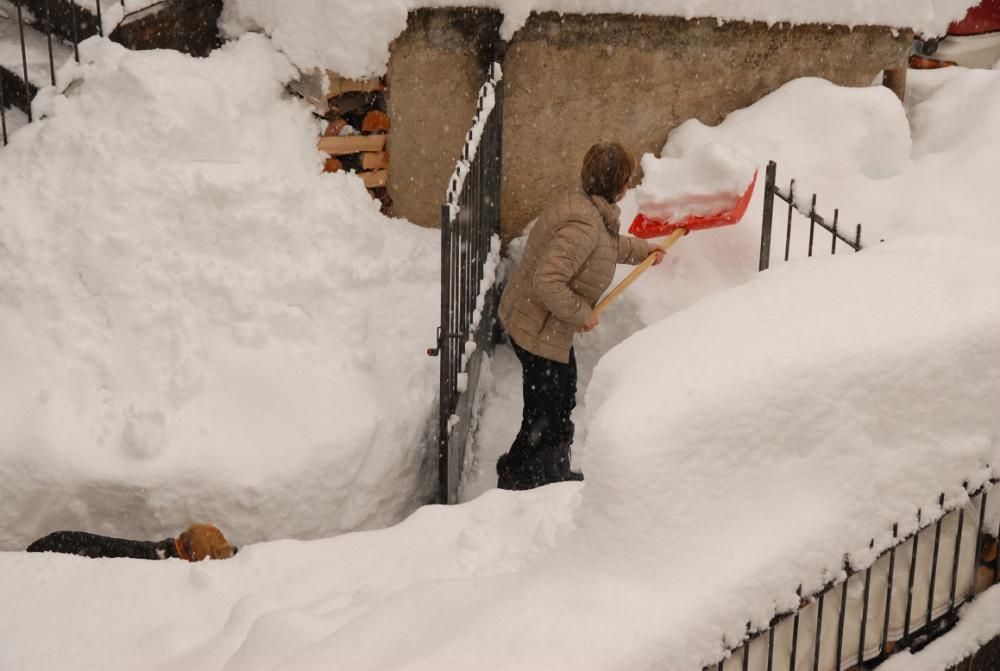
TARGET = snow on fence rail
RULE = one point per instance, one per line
(816, 220)
(470, 252)
(904, 598)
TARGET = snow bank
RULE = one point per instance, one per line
(195, 322)
(740, 445)
(709, 180)
(720, 477)
(353, 38)
(254, 611)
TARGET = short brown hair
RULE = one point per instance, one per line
(607, 168)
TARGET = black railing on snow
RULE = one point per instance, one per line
(904, 612)
(771, 190)
(25, 91)
(867, 625)
(470, 244)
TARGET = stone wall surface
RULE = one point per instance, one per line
(572, 80)
(436, 67)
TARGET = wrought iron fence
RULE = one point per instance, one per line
(470, 249)
(816, 221)
(20, 81)
(901, 600)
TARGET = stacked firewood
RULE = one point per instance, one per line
(356, 127)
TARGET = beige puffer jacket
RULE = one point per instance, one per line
(568, 262)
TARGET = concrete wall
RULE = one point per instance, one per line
(572, 80)
(435, 70)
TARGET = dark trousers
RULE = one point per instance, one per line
(549, 389)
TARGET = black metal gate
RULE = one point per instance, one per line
(470, 250)
(922, 579)
(817, 223)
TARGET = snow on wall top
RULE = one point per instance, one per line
(353, 38)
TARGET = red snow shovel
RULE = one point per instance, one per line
(647, 227)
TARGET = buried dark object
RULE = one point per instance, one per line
(197, 542)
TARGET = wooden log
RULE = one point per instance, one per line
(334, 127)
(332, 165)
(375, 178)
(988, 553)
(353, 103)
(375, 160)
(340, 85)
(350, 144)
(984, 579)
(375, 121)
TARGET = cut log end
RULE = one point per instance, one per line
(375, 160)
(375, 121)
(375, 178)
(334, 127)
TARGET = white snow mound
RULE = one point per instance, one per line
(708, 180)
(195, 322)
(737, 449)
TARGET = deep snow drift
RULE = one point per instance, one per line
(195, 322)
(735, 447)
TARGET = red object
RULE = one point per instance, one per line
(647, 227)
(983, 18)
(924, 63)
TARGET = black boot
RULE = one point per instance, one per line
(555, 465)
(519, 475)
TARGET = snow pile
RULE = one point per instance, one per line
(252, 612)
(720, 477)
(843, 143)
(709, 180)
(733, 450)
(195, 322)
(753, 464)
(353, 38)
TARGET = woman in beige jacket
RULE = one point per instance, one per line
(568, 262)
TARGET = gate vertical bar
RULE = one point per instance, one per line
(3, 116)
(76, 30)
(444, 415)
(24, 62)
(765, 228)
(48, 39)
(979, 546)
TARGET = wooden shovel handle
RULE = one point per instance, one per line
(639, 270)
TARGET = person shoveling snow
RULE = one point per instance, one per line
(569, 261)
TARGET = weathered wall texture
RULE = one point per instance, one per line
(573, 80)
(435, 70)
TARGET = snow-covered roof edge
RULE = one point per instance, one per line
(353, 38)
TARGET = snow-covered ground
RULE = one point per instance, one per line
(196, 323)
